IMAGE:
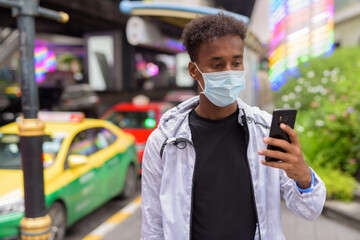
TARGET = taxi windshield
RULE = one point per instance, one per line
(10, 154)
(133, 119)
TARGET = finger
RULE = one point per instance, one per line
(291, 132)
(275, 154)
(280, 165)
(281, 143)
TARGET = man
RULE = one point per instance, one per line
(204, 174)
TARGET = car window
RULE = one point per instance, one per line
(83, 143)
(103, 138)
(10, 152)
(134, 119)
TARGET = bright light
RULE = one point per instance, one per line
(70, 117)
(300, 29)
(150, 123)
(45, 61)
(152, 69)
(48, 158)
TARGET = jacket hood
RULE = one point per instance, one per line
(172, 122)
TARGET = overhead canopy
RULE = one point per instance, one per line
(177, 14)
(85, 16)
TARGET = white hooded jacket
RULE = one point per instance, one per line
(167, 178)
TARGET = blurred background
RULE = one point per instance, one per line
(302, 54)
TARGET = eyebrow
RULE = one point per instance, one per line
(219, 58)
(238, 56)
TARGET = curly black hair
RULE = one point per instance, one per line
(202, 29)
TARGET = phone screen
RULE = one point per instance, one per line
(286, 116)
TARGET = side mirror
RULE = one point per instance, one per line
(76, 160)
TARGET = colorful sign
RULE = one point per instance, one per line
(45, 61)
(301, 29)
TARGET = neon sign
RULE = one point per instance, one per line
(45, 61)
(301, 29)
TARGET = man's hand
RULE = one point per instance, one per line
(292, 160)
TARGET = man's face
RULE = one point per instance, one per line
(219, 54)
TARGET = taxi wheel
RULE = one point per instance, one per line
(130, 183)
(57, 213)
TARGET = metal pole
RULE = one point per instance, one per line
(30, 101)
(36, 223)
(31, 132)
(30, 145)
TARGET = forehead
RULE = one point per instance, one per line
(229, 45)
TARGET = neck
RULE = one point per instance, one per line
(207, 109)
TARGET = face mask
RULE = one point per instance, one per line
(222, 88)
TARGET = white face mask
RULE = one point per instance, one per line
(222, 88)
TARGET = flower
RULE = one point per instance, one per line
(300, 128)
(343, 97)
(350, 110)
(285, 98)
(314, 104)
(298, 105)
(311, 74)
(324, 80)
(332, 117)
(286, 106)
(319, 123)
(352, 161)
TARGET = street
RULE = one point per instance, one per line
(94, 227)
(87, 224)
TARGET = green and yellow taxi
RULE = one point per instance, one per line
(86, 163)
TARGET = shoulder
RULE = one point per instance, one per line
(261, 115)
(155, 140)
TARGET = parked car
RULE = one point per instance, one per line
(138, 118)
(10, 112)
(79, 97)
(86, 163)
(11, 105)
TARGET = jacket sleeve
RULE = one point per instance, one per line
(152, 226)
(306, 205)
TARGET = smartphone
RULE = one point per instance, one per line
(286, 116)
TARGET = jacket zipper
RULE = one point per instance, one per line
(192, 197)
(243, 118)
(177, 141)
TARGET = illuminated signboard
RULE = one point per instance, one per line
(301, 29)
(45, 61)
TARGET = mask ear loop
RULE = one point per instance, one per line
(203, 91)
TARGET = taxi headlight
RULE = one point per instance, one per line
(12, 205)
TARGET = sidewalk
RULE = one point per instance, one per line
(323, 228)
(294, 228)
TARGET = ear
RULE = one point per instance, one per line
(193, 71)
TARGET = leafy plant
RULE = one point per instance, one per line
(328, 121)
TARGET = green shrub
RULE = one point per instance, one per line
(328, 120)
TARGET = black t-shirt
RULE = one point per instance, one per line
(223, 206)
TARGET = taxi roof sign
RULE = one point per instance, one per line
(71, 117)
(140, 100)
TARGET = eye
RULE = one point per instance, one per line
(217, 65)
(237, 64)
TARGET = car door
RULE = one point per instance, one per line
(82, 194)
(115, 164)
